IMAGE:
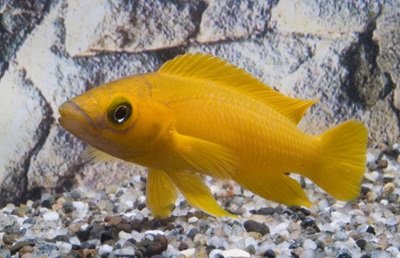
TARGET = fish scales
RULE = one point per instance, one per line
(257, 133)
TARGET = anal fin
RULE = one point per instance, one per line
(161, 193)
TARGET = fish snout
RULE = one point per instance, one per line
(73, 117)
(67, 111)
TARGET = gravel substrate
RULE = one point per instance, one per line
(113, 221)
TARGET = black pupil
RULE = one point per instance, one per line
(121, 114)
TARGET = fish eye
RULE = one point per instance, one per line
(120, 113)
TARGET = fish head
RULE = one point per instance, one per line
(119, 118)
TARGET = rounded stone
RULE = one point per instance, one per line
(254, 226)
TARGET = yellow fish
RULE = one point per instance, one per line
(200, 115)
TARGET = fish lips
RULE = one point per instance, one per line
(75, 120)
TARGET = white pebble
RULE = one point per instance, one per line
(384, 202)
(340, 216)
(51, 215)
(370, 177)
(326, 227)
(250, 241)
(239, 242)
(323, 204)
(232, 253)
(218, 242)
(142, 199)
(278, 229)
(192, 220)
(81, 209)
(154, 232)
(361, 220)
(124, 235)
(393, 251)
(392, 221)
(104, 249)
(63, 247)
(127, 251)
(189, 253)
(9, 208)
(309, 244)
(340, 236)
(308, 253)
(375, 175)
(74, 240)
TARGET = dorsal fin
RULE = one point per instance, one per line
(209, 68)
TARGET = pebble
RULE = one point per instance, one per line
(188, 253)
(270, 253)
(114, 221)
(361, 243)
(193, 220)
(51, 215)
(388, 189)
(232, 253)
(105, 250)
(125, 252)
(254, 226)
(309, 244)
(340, 236)
(308, 253)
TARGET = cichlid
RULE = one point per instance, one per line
(198, 115)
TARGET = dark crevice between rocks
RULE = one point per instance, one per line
(363, 77)
(389, 87)
(371, 48)
(15, 187)
(66, 183)
(196, 12)
(17, 21)
(167, 54)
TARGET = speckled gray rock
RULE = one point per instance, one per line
(387, 35)
(17, 19)
(329, 19)
(25, 115)
(131, 26)
(231, 19)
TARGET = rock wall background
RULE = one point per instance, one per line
(346, 53)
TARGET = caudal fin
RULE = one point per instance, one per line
(343, 160)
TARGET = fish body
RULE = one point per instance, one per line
(200, 115)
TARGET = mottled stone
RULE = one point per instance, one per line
(387, 35)
(230, 19)
(325, 18)
(25, 115)
(17, 20)
(127, 26)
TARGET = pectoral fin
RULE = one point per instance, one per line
(197, 193)
(161, 193)
(206, 157)
(93, 154)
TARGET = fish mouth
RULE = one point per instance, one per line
(74, 119)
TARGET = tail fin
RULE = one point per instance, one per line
(343, 160)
